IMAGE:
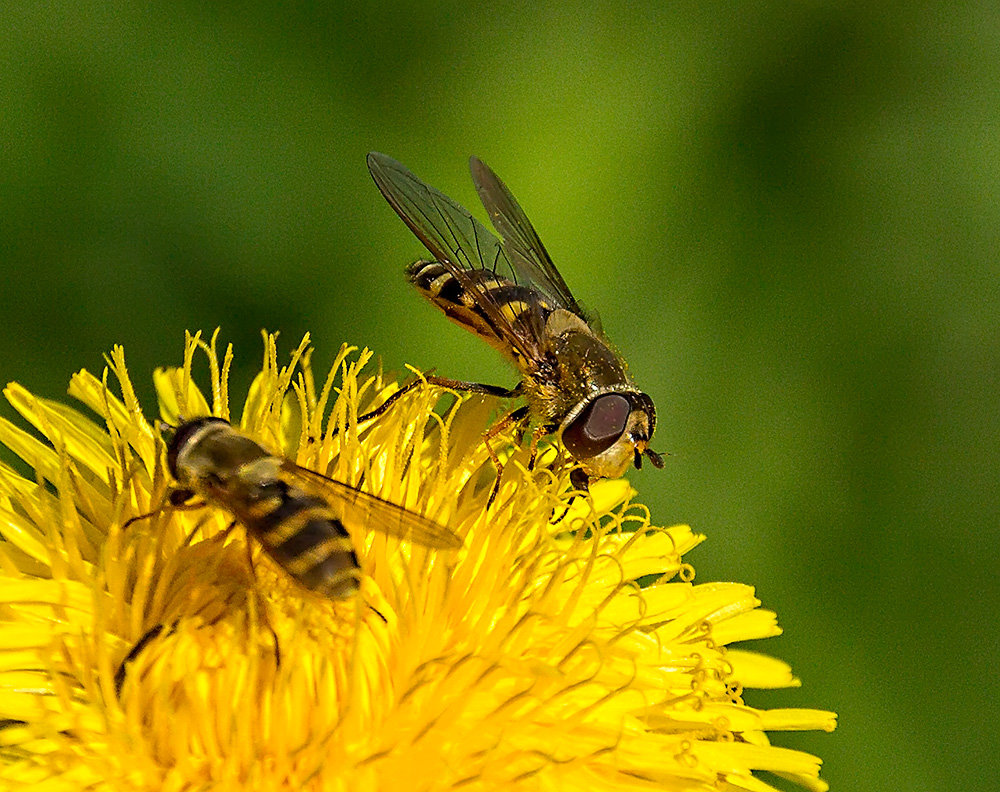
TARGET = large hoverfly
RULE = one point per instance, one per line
(300, 518)
(508, 292)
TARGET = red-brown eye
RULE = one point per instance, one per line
(598, 427)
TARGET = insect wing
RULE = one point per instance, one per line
(453, 236)
(527, 253)
(445, 227)
(362, 511)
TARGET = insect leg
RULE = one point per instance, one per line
(149, 636)
(176, 500)
(458, 385)
(7, 723)
(262, 609)
(384, 406)
(581, 486)
(513, 417)
(536, 435)
(476, 387)
(579, 480)
(139, 517)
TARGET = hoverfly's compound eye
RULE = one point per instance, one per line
(598, 426)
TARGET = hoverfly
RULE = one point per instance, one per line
(301, 518)
(509, 292)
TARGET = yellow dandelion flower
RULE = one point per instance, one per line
(566, 653)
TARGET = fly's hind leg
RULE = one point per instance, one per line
(457, 385)
(148, 637)
(476, 387)
(513, 417)
(384, 406)
(261, 605)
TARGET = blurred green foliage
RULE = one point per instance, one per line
(786, 213)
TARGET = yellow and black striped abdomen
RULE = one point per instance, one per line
(296, 514)
(301, 533)
(519, 305)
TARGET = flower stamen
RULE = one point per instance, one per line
(146, 645)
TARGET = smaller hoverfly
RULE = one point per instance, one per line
(508, 292)
(301, 518)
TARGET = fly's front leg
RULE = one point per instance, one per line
(581, 486)
(511, 418)
(580, 481)
(177, 500)
(536, 436)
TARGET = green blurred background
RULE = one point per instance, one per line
(787, 215)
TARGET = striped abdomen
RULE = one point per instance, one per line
(298, 529)
(301, 533)
(522, 307)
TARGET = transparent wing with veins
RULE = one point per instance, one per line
(361, 511)
(458, 242)
(528, 255)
